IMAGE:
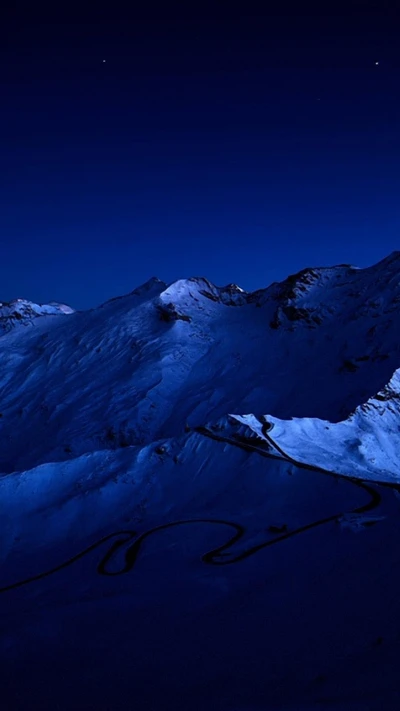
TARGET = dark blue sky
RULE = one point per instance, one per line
(228, 144)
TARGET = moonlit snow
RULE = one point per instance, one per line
(217, 570)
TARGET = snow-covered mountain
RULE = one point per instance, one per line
(139, 367)
(187, 418)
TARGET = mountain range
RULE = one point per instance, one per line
(199, 496)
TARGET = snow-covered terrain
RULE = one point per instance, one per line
(165, 548)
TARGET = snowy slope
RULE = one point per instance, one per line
(170, 556)
(289, 619)
(365, 445)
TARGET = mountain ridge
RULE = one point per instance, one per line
(301, 276)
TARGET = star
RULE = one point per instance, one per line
(376, 64)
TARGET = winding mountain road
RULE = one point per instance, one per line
(220, 555)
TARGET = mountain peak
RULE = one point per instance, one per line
(23, 312)
(148, 285)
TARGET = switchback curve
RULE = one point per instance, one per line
(219, 555)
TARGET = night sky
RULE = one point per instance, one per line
(211, 142)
